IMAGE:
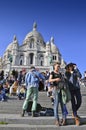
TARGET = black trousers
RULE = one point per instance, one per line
(76, 100)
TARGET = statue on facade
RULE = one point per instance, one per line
(10, 57)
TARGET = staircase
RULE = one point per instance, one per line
(10, 113)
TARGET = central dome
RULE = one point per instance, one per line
(53, 46)
(34, 33)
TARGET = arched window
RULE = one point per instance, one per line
(41, 63)
(32, 43)
(55, 57)
(41, 59)
(20, 62)
(21, 59)
(31, 58)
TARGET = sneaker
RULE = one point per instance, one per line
(23, 112)
(77, 121)
(2, 100)
(52, 103)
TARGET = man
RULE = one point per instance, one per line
(32, 83)
(73, 75)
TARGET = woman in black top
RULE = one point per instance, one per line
(55, 77)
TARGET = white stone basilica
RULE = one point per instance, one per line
(33, 51)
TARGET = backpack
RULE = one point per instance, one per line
(38, 108)
(46, 112)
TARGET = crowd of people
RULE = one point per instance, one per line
(12, 84)
(60, 87)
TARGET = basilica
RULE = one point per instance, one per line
(33, 51)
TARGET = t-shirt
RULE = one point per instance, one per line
(55, 75)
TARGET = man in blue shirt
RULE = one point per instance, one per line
(32, 79)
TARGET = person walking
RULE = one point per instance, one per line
(73, 76)
(32, 79)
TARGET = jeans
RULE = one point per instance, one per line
(30, 91)
(57, 100)
(76, 100)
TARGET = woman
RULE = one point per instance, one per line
(73, 75)
(55, 77)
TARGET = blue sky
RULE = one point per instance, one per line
(65, 20)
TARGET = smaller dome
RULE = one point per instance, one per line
(10, 46)
(54, 48)
(13, 44)
(47, 43)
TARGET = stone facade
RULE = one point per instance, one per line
(33, 51)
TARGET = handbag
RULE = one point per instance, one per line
(62, 84)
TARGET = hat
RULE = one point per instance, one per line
(70, 65)
(67, 66)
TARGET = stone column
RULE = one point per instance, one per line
(46, 60)
(13, 59)
(28, 59)
(35, 59)
(25, 59)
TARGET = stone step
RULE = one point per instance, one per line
(40, 127)
(10, 112)
(45, 120)
(14, 106)
(16, 122)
